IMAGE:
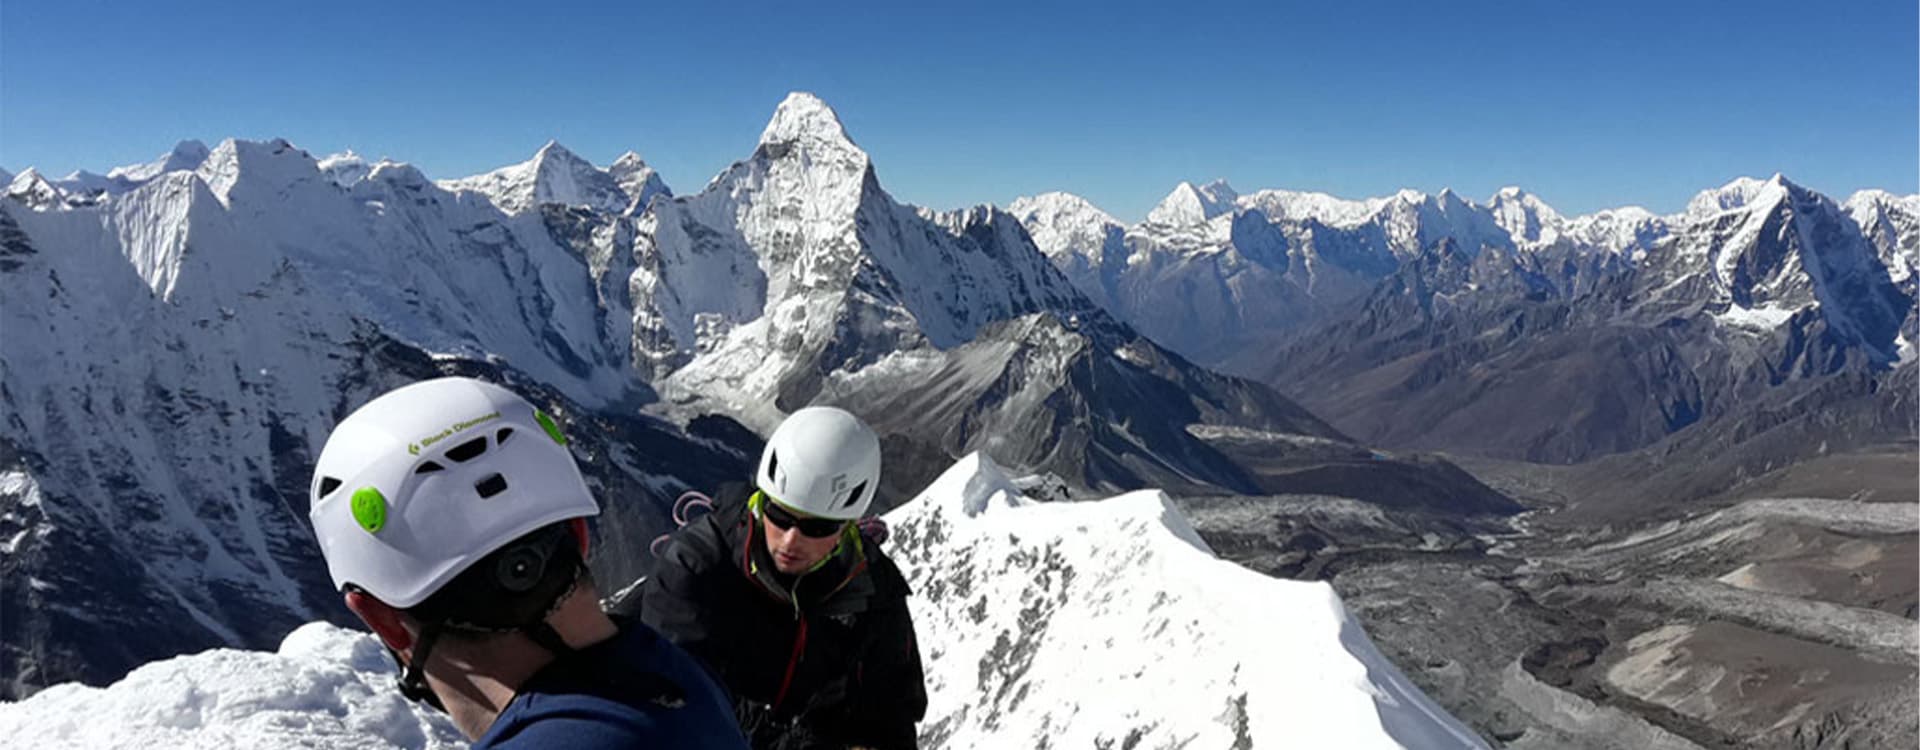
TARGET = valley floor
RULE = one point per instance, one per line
(1779, 614)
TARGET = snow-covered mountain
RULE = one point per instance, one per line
(1107, 623)
(795, 278)
(1892, 224)
(1525, 217)
(1308, 292)
(346, 169)
(1188, 205)
(639, 181)
(1762, 285)
(186, 155)
(1084, 242)
(1212, 273)
(556, 175)
(1763, 251)
(176, 353)
(1203, 277)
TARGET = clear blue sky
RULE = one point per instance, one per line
(1587, 104)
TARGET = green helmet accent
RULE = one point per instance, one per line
(370, 509)
(553, 430)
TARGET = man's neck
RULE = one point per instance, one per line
(488, 675)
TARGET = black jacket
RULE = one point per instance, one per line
(834, 665)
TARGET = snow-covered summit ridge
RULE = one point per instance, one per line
(1741, 192)
(325, 687)
(1094, 623)
(638, 180)
(1063, 223)
(346, 168)
(553, 175)
(186, 155)
(1188, 205)
(1525, 216)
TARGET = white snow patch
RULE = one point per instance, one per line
(1763, 318)
(326, 687)
(22, 485)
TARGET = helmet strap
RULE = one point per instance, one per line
(542, 633)
(413, 673)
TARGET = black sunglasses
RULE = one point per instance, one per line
(818, 528)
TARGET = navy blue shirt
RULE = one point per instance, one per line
(630, 691)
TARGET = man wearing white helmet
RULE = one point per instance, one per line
(790, 603)
(453, 518)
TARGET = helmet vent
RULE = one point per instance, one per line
(328, 485)
(429, 467)
(469, 450)
(500, 438)
(853, 498)
(494, 484)
(773, 465)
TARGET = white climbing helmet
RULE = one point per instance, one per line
(822, 462)
(427, 479)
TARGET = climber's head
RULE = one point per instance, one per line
(817, 475)
(450, 507)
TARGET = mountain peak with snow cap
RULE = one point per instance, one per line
(1187, 205)
(1740, 193)
(638, 180)
(1065, 223)
(186, 155)
(1525, 216)
(345, 168)
(554, 175)
(263, 169)
(1058, 204)
(804, 116)
(34, 190)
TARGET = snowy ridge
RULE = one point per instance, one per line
(346, 169)
(1188, 205)
(1740, 193)
(1069, 624)
(553, 175)
(1629, 231)
(325, 687)
(1525, 217)
(1065, 224)
(637, 180)
(186, 155)
(1892, 224)
(1087, 244)
(1301, 206)
(31, 189)
(1266, 264)
(1111, 622)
